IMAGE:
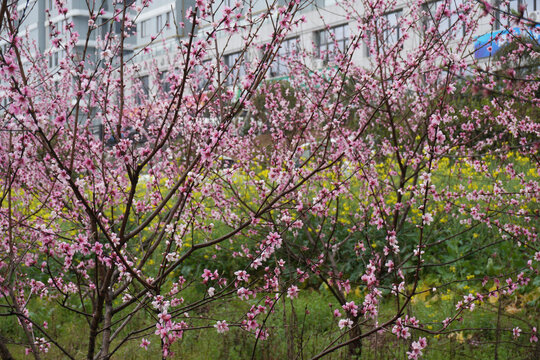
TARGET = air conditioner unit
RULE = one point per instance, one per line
(534, 16)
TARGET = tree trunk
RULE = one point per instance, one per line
(355, 348)
(107, 322)
(4, 351)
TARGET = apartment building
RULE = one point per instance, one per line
(327, 24)
(158, 29)
(40, 20)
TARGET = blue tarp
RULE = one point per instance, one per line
(488, 44)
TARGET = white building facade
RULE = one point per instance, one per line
(161, 26)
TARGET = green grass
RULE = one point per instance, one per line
(302, 328)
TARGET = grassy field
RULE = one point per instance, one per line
(302, 328)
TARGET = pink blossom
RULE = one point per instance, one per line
(351, 308)
(534, 336)
(144, 343)
(345, 323)
(416, 348)
(292, 292)
(221, 327)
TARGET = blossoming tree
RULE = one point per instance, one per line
(217, 185)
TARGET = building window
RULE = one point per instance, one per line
(444, 15)
(508, 11)
(159, 23)
(117, 27)
(168, 17)
(235, 62)
(55, 58)
(389, 33)
(504, 9)
(532, 5)
(392, 32)
(144, 89)
(164, 81)
(145, 84)
(60, 27)
(144, 28)
(203, 74)
(327, 40)
(287, 49)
